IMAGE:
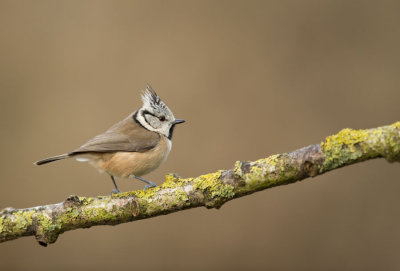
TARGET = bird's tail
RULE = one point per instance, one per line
(52, 159)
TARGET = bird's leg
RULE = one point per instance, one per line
(149, 184)
(116, 190)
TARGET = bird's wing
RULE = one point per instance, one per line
(127, 135)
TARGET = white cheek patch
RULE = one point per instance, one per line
(144, 123)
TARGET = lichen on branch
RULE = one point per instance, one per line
(212, 190)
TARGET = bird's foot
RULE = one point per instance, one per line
(149, 186)
(115, 191)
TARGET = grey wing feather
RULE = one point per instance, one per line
(107, 142)
(127, 135)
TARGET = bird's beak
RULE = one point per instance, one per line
(177, 121)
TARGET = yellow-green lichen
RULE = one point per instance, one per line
(151, 201)
(211, 183)
(146, 194)
(23, 219)
(123, 194)
(71, 213)
(347, 145)
(173, 181)
(141, 194)
(16, 224)
(393, 143)
(270, 161)
(255, 176)
(86, 201)
(2, 224)
(46, 229)
(237, 169)
(75, 213)
(19, 221)
(352, 145)
(267, 172)
(43, 220)
(99, 214)
(180, 195)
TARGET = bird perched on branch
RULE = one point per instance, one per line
(133, 147)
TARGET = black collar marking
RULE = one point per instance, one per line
(171, 131)
(136, 120)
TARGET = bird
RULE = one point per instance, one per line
(133, 147)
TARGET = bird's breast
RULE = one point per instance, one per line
(125, 164)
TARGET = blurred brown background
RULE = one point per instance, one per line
(252, 78)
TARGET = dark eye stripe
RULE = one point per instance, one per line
(145, 112)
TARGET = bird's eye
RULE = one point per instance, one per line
(162, 118)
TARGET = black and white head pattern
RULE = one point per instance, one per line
(154, 115)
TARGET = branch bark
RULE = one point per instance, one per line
(212, 190)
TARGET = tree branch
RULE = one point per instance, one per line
(212, 190)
